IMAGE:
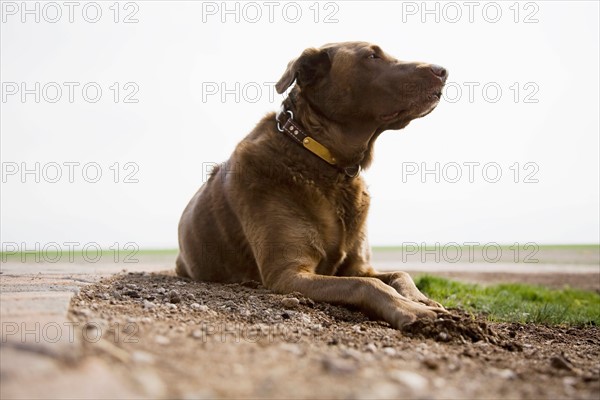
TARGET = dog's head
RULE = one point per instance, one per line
(357, 82)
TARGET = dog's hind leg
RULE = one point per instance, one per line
(180, 268)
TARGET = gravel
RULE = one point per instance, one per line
(242, 340)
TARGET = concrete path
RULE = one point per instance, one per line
(41, 349)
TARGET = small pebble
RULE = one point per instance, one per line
(174, 297)
(431, 363)
(390, 351)
(199, 307)
(560, 362)
(442, 337)
(162, 340)
(371, 348)
(197, 334)
(84, 311)
(506, 374)
(411, 379)
(290, 302)
(149, 305)
(351, 353)
(141, 357)
(338, 366)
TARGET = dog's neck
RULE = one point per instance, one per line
(290, 128)
(349, 143)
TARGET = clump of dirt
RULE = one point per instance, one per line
(458, 326)
(178, 338)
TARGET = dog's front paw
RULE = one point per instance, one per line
(431, 303)
(404, 285)
(408, 311)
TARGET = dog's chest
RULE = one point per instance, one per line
(351, 207)
(346, 216)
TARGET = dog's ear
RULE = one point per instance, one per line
(312, 65)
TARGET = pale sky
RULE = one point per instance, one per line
(178, 54)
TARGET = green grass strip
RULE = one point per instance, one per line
(513, 302)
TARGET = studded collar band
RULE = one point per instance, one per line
(287, 125)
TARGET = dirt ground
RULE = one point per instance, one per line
(175, 338)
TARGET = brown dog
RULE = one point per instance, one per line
(288, 208)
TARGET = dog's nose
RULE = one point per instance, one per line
(439, 71)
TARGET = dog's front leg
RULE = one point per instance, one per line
(370, 295)
(357, 264)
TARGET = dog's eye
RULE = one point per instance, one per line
(373, 56)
